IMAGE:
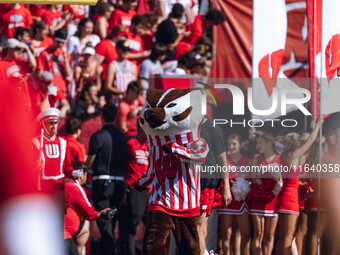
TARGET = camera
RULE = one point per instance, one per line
(108, 215)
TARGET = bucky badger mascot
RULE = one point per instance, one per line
(171, 120)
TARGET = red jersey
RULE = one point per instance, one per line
(74, 151)
(76, 205)
(196, 28)
(148, 41)
(53, 61)
(124, 108)
(137, 159)
(52, 18)
(174, 177)
(38, 10)
(136, 45)
(106, 48)
(17, 72)
(44, 44)
(181, 48)
(120, 17)
(13, 19)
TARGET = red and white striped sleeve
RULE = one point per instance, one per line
(197, 151)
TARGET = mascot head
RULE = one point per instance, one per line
(172, 111)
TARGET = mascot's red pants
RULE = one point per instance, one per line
(157, 236)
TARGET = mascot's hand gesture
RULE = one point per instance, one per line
(166, 146)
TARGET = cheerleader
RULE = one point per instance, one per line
(287, 202)
(263, 195)
(304, 188)
(238, 208)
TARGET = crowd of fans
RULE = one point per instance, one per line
(101, 60)
(109, 44)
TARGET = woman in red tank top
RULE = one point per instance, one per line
(263, 195)
(238, 209)
(287, 202)
(88, 72)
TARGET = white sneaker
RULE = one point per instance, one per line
(212, 253)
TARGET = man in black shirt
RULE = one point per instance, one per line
(169, 32)
(209, 183)
(106, 156)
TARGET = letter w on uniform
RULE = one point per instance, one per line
(52, 150)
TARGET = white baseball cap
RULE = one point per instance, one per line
(11, 43)
(89, 51)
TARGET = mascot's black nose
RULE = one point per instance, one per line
(150, 115)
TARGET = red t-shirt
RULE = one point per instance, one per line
(196, 28)
(38, 10)
(17, 72)
(74, 151)
(76, 205)
(53, 61)
(107, 49)
(52, 18)
(181, 48)
(120, 17)
(78, 11)
(148, 41)
(136, 46)
(46, 43)
(137, 159)
(13, 19)
(124, 108)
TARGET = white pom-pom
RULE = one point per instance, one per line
(277, 188)
(240, 188)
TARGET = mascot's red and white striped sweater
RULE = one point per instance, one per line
(173, 173)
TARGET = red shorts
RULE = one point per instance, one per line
(207, 199)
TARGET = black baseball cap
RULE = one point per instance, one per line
(124, 45)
